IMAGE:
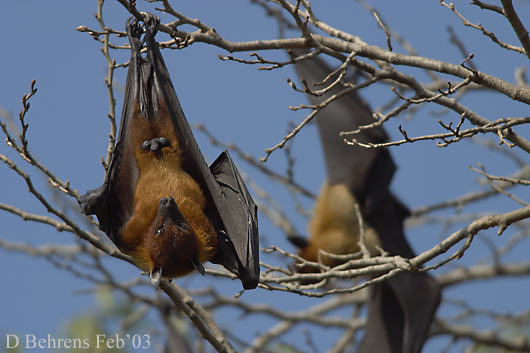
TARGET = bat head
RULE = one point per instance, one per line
(171, 243)
(307, 251)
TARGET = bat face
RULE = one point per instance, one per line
(168, 234)
(160, 203)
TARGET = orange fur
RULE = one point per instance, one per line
(161, 176)
(334, 227)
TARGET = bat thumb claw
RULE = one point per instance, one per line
(198, 266)
(156, 276)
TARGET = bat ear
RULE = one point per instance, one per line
(299, 241)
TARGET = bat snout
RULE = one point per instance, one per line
(168, 202)
(168, 207)
(169, 211)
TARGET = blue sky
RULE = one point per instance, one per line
(238, 103)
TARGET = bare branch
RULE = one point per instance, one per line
(490, 338)
(254, 163)
(517, 25)
(111, 66)
(199, 316)
(471, 197)
(481, 28)
(490, 7)
(35, 218)
(499, 127)
(316, 109)
(465, 275)
(343, 43)
(499, 178)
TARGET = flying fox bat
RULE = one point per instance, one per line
(400, 310)
(159, 202)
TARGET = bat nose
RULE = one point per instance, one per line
(167, 201)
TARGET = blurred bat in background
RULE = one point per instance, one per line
(400, 309)
(160, 203)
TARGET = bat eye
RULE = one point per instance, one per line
(159, 230)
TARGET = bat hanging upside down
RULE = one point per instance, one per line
(160, 203)
(400, 309)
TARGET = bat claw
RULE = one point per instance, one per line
(151, 25)
(134, 31)
(155, 277)
(198, 266)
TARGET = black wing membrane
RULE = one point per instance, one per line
(241, 213)
(112, 203)
(233, 213)
(401, 309)
(367, 172)
(397, 320)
